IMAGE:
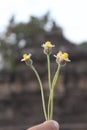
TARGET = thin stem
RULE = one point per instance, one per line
(51, 109)
(52, 90)
(56, 76)
(42, 93)
(49, 82)
(49, 76)
(49, 104)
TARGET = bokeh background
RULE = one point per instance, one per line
(24, 26)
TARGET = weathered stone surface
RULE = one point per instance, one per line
(20, 100)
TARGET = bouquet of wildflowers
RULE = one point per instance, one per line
(61, 59)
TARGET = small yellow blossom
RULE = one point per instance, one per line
(62, 58)
(26, 57)
(47, 47)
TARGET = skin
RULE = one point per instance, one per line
(47, 125)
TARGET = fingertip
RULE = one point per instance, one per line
(47, 125)
(56, 125)
(52, 124)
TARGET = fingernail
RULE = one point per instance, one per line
(56, 125)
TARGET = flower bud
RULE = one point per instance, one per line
(62, 58)
(47, 47)
(27, 59)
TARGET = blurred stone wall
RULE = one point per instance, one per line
(20, 100)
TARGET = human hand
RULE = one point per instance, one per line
(47, 125)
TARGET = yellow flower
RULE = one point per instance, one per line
(26, 57)
(65, 56)
(47, 47)
(62, 58)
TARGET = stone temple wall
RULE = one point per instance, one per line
(20, 100)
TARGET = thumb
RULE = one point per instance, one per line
(47, 125)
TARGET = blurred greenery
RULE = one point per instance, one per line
(21, 35)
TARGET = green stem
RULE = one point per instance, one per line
(52, 90)
(56, 76)
(49, 105)
(42, 93)
(51, 100)
(49, 76)
(49, 82)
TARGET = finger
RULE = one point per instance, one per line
(47, 125)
